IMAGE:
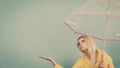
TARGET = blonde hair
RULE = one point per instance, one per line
(91, 46)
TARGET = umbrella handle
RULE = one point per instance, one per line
(102, 57)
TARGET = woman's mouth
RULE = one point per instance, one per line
(81, 47)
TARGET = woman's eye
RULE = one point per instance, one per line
(83, 40)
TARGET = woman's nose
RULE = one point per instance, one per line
(81, 44)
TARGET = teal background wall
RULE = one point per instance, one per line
(32, 28)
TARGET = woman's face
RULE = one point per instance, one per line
(82, 45)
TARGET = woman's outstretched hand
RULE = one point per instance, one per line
(49, 59)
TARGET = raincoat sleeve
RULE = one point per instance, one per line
(57, 66)
(78, 64)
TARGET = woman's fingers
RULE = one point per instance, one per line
(45, 57)
(101, 65)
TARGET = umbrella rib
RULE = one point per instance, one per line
(70, 27)
(85, 14)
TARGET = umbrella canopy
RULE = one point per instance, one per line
(97, 18)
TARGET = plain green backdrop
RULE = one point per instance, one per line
(32, 28)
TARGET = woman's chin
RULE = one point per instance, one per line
(83, 50)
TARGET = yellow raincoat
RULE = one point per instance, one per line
(84, 62)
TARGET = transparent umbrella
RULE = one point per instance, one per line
(97, 18)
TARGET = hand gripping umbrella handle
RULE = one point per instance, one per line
(102, 60)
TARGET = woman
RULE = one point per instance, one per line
(92, 58)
